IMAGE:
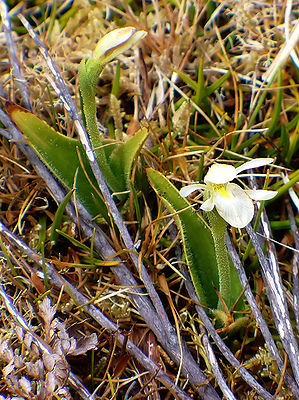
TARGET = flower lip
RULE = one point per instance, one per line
(236, 208)
(220, 174)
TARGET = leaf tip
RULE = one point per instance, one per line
(11, 107)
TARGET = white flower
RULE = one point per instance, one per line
(233, 203)
(116, 42)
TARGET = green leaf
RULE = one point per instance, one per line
(274, 124)
(186, 78)
(197, 239)
(216, 85)
(60, 154)
(294, 144)
(76, 242)
(58, 216)
(284, 141)
(123, 155)
(200, 92)
(115, 87)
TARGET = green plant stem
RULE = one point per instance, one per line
(89, 72)
(218, 226)
(88, 76)
(285, 224)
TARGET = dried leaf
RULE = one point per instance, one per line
(85, 344)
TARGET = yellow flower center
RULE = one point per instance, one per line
(221, 190)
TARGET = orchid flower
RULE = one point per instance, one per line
(233, 203)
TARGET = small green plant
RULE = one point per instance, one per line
(66, 156)
(206, 250)
(114, 159)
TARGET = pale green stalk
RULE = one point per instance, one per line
(109, 47)
(218, 227)
(88, 75)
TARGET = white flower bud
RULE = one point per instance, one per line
(35, 370)
(47, 312)
(116, 42)
(20, 333)
(6, 354)
(19, 362)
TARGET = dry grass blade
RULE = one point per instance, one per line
(227, 393)
(283, 54)
(19, 79)
(258, 315)
(276, 297)
(222, 346)
(295, 271)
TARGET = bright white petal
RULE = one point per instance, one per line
(258, 162)
(220, 174)
(236, 208)
(208, 205)
(261, 194)
(187, 190)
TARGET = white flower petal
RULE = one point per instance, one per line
(208, 205)
(261, 194)
(187, 190)
(258, 162)
(236, 208)
(220, 174)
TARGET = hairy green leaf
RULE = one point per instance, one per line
(197, 239)
(123, 155)
(198, 245)
(60, 154)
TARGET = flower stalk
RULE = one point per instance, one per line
(109, 47)
(218, 227)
